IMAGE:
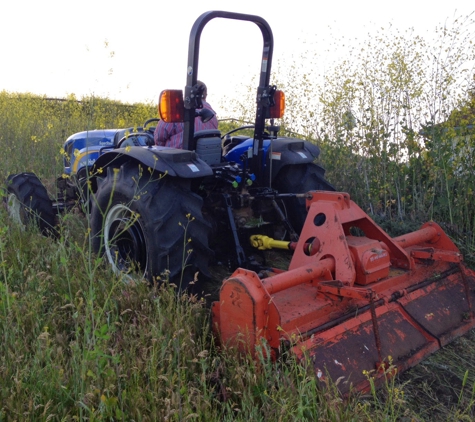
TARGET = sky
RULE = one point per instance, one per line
(131, 51)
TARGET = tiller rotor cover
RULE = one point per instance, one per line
(353, 298)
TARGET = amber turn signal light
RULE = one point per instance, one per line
(277, 110)
(170, 106)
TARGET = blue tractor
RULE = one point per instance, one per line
(158, 211)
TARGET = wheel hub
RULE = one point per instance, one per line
(16, 210)
(124, 241)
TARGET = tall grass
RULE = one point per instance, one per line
(77, 343)
(33, 128)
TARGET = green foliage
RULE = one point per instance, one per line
(33, 128)
(393, 115)
(388, 403)
(77, 343)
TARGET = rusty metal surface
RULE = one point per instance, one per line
(350, 348)
(442, 308)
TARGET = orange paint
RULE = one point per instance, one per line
(419, 288)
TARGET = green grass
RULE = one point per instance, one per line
(33, 129)
(77, 343)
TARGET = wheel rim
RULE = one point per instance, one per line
(16, 210)
(124, 241)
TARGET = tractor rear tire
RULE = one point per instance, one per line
(28, 203)
(300, 178)
(150, 225)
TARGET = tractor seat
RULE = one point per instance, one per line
(208, 146)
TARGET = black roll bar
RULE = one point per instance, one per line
(262, 91)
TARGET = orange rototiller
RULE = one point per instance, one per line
(352, 296)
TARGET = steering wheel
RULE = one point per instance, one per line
(237, 130)
(147, 122)
(133, 139)
(228, 143)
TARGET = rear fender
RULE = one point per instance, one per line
(282, 151)
(171, 161)
(291, 151)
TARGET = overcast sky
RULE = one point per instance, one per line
(130, 51)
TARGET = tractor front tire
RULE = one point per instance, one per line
(28, 203)
(150, 225)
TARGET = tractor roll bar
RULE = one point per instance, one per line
(192, 75)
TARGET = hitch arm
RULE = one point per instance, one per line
(240, 255)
